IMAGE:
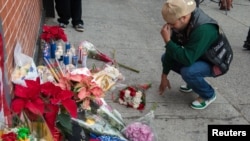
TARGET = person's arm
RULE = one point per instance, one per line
(164, 84)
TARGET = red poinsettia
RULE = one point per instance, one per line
(46, 100)
(28, 99)
(53, 33)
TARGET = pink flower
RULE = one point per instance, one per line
(84, 88)
(138, 131)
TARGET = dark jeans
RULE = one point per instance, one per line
(67, 9)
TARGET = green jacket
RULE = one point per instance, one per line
(199, 40)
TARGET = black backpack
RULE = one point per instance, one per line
(220, 55)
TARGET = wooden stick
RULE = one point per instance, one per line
(51, 69)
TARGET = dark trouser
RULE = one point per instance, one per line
(197, 3)
(248, 36)
(67, 9)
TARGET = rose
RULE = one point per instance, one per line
(132, 97)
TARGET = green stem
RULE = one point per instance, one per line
(121, 65)
(127, 67)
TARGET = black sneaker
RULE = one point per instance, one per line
(79, 27)
(185, 89)
(246, 45)
(62, 25)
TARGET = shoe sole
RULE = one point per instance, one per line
(183, 88)
(80, 30)
(186, 91)
(211, 101)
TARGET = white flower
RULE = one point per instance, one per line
(137, 100)
(129, 100)
(138, 94)
(127, 93)
(122, 102)
(135, 106)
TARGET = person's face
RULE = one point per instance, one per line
(179, 24)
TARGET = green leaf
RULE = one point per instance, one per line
(64, 123)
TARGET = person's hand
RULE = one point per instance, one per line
(164, 84)
(166, 33)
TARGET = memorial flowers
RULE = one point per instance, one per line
(46, 101)
(141, 129)
(53, 33)
(80, 82)
(134, 96)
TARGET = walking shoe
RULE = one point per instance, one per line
(202, 105)
(79, 27)
(62, 25)
(185, 89)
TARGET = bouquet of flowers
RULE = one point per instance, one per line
(53, 33)
(81, 83)
(134, 96)
(94, 53)
(107, 77)
(94, 123)
(142, 129)
(112, 116)
(25, 68)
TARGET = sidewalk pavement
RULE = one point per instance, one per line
(132, 29)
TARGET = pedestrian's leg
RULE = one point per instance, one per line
(63, 11)
(197, 3)
(76, 12)
(194, 76)
(248, 35)
(247, 42)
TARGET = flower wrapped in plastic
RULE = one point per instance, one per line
(25, 68)
(134, 96)
(94, 53)
(112, 116)
(107, 77)
(94, 123)
(142, 129)
(94, 137)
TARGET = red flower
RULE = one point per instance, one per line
(53, 33)
(28, 98)
(46, 99)
(9, 137)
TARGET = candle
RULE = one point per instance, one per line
(53, 49)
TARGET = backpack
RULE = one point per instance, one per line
(226, 4)
(220, 55)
